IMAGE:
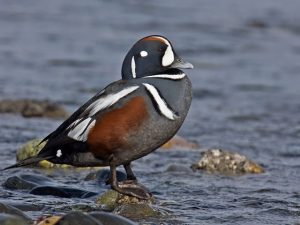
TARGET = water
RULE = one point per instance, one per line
(246, 95)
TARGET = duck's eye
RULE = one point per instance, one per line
(143, 53)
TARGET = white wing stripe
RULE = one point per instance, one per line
(168, 76)
(109, 100)
(80, 128)
(162, 105)
(80, 131)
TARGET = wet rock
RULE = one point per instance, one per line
(78, 218)
(63, 192)
(33, 108)
(226, 162)
(17, 183)
(31, 148)
(137, 211)
(7, 219)
(108, 200)
(7, 209)
(25, 182)
(179, 142)
(112, 199)
(111, 219)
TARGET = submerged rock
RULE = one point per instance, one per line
(17, 183)
(14, 212)
(25, 182)
(179, 142)
(33, 108)
(63, 192)
(226, 162)
(78, 218)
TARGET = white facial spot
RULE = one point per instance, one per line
(143, 53)
(58, 153)
(133, 67)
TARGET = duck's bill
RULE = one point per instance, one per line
(180, 64)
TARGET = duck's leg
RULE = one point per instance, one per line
(130, 189)
(129, 173)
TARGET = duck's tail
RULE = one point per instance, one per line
(28, 161)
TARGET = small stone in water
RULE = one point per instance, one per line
(226, 162)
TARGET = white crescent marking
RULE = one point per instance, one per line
(162, 105)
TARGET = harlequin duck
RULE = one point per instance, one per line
(129, 118)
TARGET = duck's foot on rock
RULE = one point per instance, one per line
(135, 189)
(111, 199)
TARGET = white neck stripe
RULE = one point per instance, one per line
(162, 105)
(168, 76)
(133, 67)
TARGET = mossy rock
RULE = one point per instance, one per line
(112, 199)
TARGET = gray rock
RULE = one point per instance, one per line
(7, 219)
(226, 162)
(78, 218)
(32, 108)
(7, 209)
(137, 211)
(111, 219)
(17, 183)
